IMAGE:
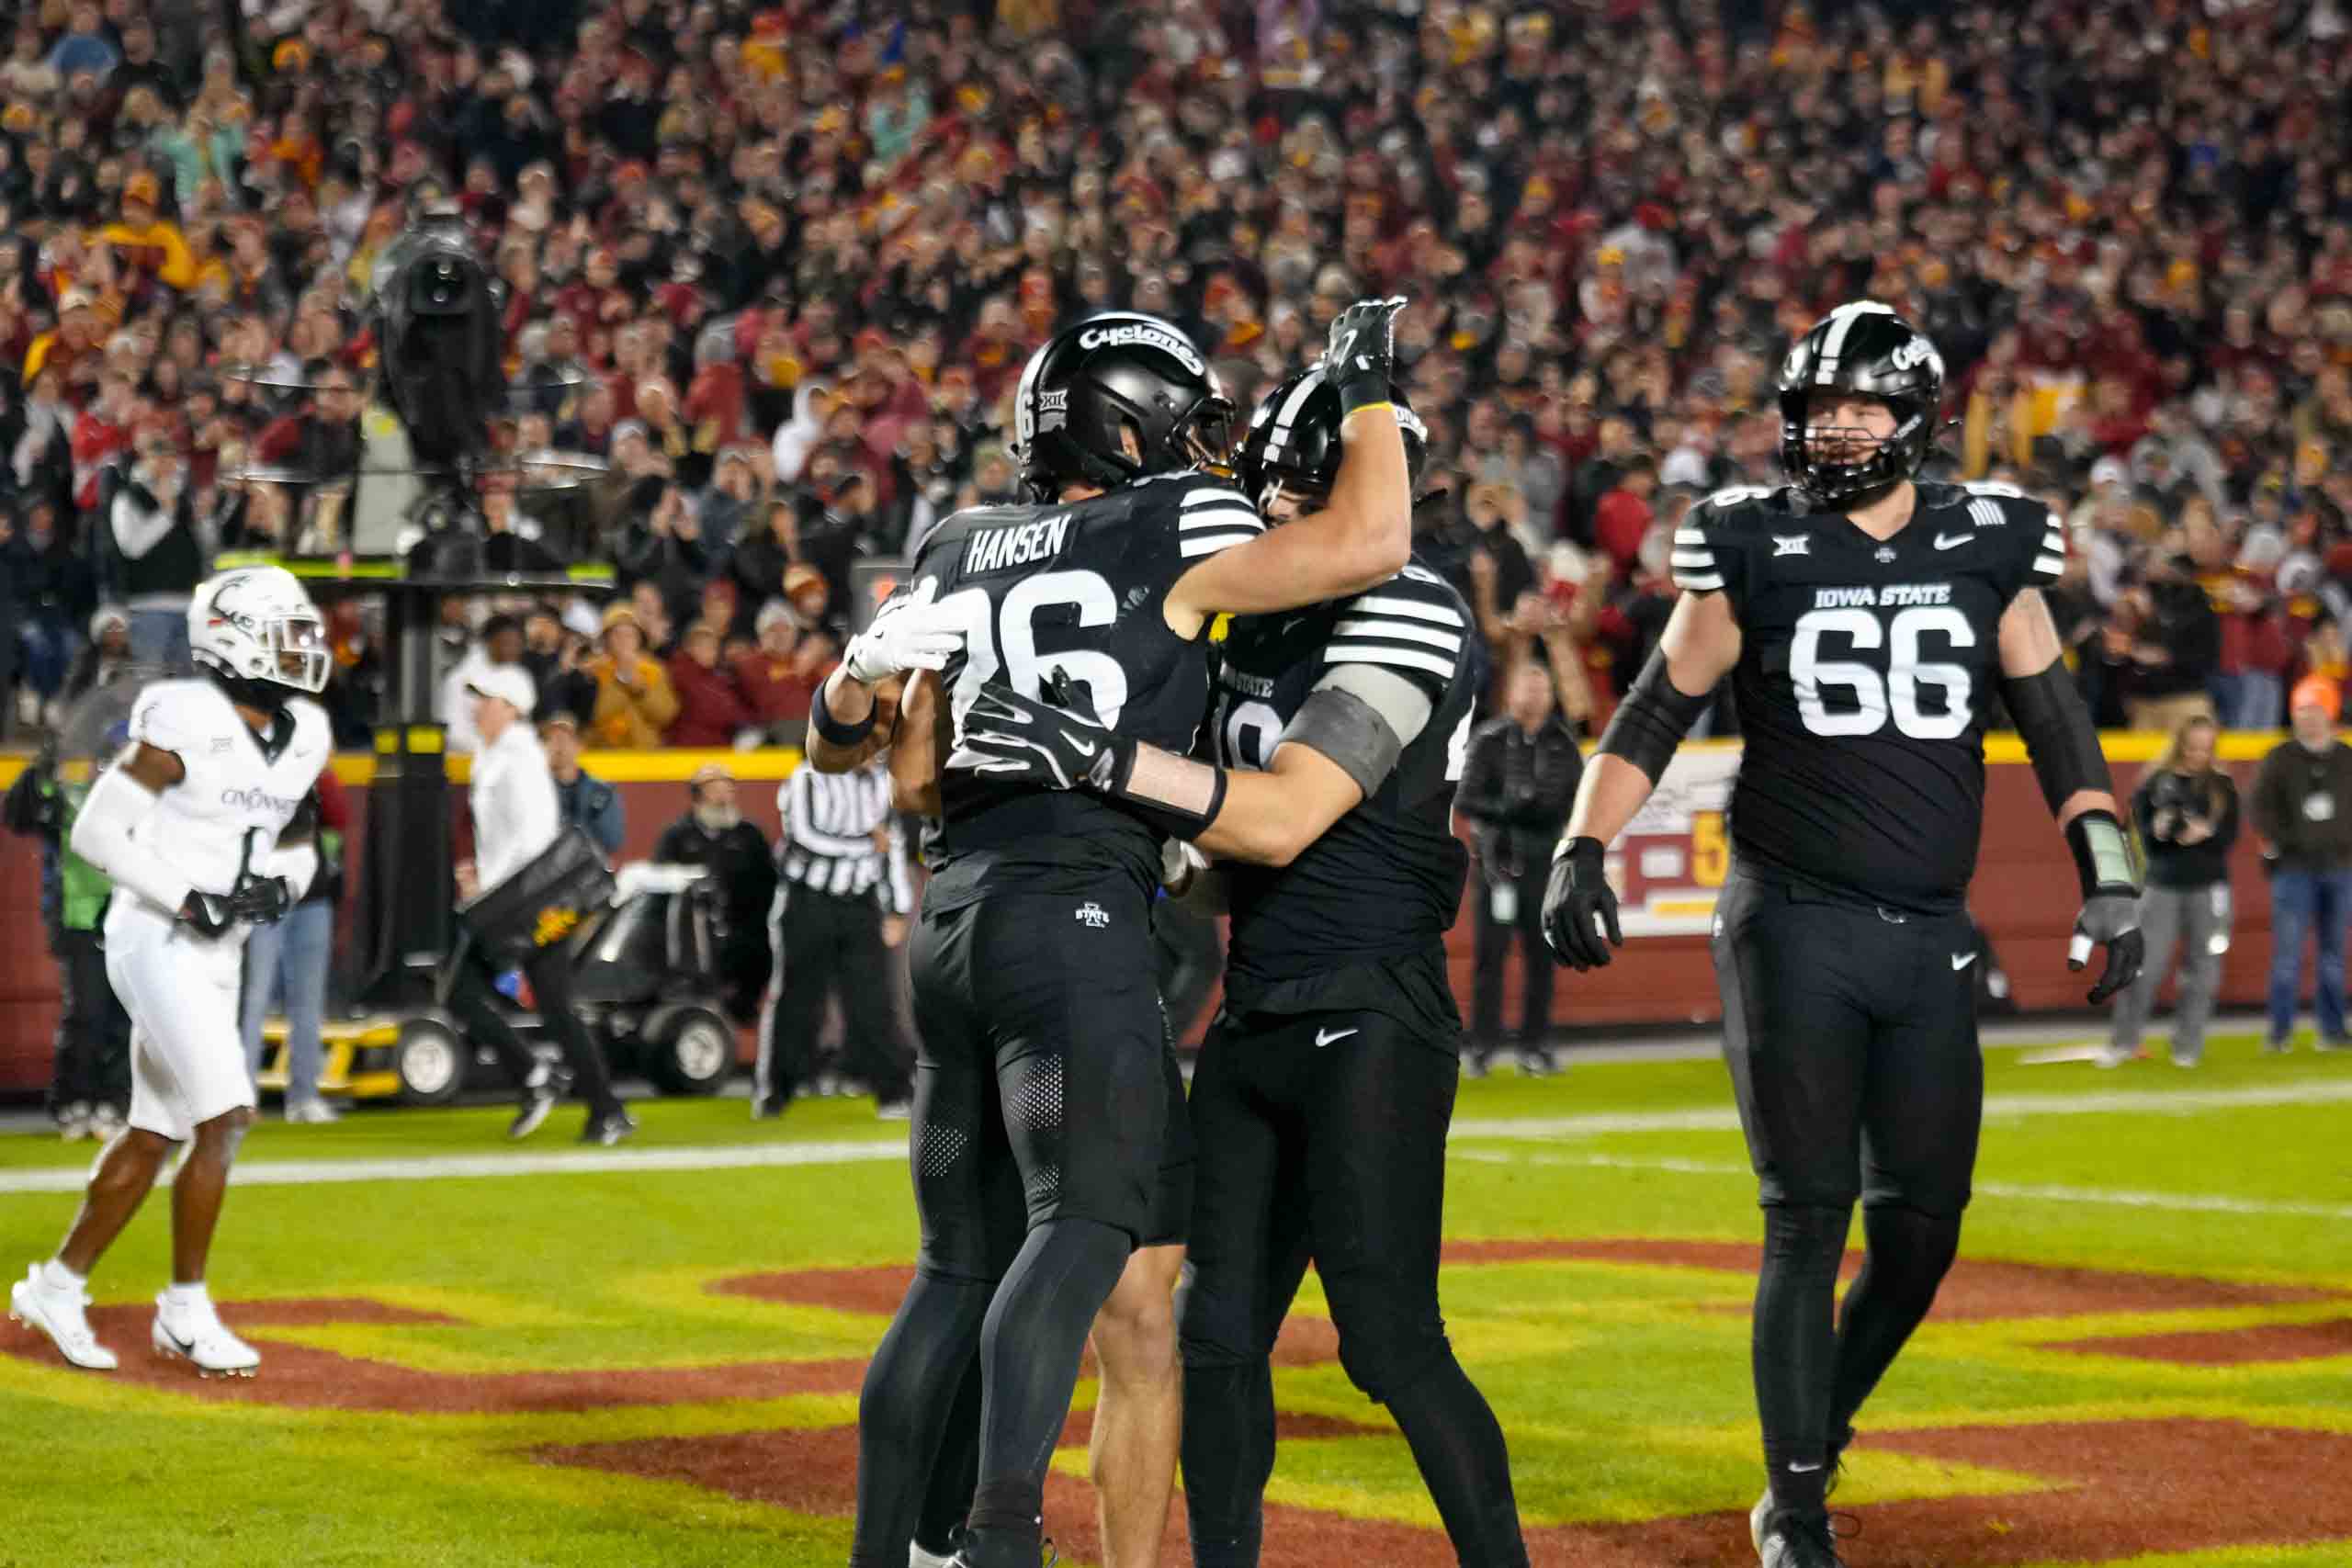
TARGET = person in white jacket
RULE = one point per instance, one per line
(500, 644)
(515, 818)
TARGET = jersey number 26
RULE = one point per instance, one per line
(1004, 638)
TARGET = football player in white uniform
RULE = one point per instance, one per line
(196, 826)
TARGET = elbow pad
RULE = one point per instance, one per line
(103, 833)
(2050, 713)
(1653, 720)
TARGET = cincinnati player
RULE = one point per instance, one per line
(199, 827)
(1042, 1061)
(1327, 1084)
(1866, 621)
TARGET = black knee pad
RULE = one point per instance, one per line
(1910, 1251)
(1383, 1352)
(1800, 1238)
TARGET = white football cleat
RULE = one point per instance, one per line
(59, 1315)
(197, 1334)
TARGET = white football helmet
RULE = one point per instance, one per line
(255, 623)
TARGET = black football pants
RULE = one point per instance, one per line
(1325, 1138)
(1850, 1031)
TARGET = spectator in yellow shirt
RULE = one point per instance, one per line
(144, 242)
(634, 702)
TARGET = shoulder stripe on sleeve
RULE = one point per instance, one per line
(2053, 540)
(1402, 631)
(1986, 514)
(2053, 565)
(1234, 515)
(1691, 536)
(1374, 653)
(1217, 495)
(1704, 584)
(1210, 540)
(1703, 561)
(1420, 610)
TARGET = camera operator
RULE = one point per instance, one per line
(743, 869)
(516, 820)
(2188, 813)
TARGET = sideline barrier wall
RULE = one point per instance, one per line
(2024, 893)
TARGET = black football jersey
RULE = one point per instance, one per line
(1079, 586)
(1358, 920)
(1865, 675)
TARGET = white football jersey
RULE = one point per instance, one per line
(225, 814)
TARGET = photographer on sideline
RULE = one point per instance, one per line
(2188, 812)
(515, 818)
(2303, 815)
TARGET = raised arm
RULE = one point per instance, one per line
(1364, 533)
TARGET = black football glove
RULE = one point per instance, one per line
(207, 914)
(1360, 356)
(1580, 907)
(2110, 914)
(263, 900)
(1018, 739)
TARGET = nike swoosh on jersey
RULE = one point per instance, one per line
(1953, 541)
(1961, 960)
(1325, 1037)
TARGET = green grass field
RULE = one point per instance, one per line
(527, 1358)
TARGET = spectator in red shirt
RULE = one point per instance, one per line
(780, 677)
(102, 435)
(711, 707)
(1623, 515)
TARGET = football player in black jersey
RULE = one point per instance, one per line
(1866, 621)
(1326, 1086)
(1042, 1105)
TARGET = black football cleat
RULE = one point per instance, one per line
(1786, 1538)
(608, 1129)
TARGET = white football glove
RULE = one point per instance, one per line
(909, 632)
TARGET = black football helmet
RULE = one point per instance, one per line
(1110, 374)
(1292, 439)
(1864, 348)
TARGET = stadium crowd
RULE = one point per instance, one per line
(780, 267)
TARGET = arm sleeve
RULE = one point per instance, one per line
(1412, 627)
(105, 832)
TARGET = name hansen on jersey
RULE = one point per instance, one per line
(1866, 671)
(1082, 586)
(1383, 884)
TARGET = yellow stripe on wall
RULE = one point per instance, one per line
(776, 764)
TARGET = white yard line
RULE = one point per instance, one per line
(2121, 1198)
(2006, 1107)
(1548, 1129)
(454, 1168)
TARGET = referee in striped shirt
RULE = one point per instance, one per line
(843, 897)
